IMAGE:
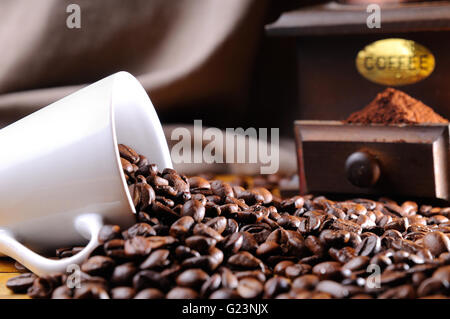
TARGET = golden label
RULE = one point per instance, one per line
(395, 62)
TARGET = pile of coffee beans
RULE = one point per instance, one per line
(199, 238)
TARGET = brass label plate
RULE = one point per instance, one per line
(395, 62)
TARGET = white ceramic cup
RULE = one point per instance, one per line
(60, 171)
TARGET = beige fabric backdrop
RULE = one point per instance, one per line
(181, 50)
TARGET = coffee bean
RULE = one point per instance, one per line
(204, 230)
(137, 246)
(142, 195)
(122, 293)
(327, 270)
(250, 288)
(195, 209)
(369, 246)
(91, 291)
(224, 293)
(21, 283)
(108, 232)
(181, 228)
(307, 282)
(200, 243)
(199, 183)
(244, 260)
(401, 292)
(98, 266)
(276, 286)
(149, 279)
(149, 293)
(336, 289)
(123, 274)
(42, 287)
(221, 189)
(297, 270)
(437, 243)
(139, 229)
(192, 278)
(182, 293)
(128, 153)
(156, 260)
(62, 292)
(164, 213)
(219, 224)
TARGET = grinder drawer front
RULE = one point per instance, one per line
(404, 161)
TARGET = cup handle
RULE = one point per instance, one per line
(88, 225)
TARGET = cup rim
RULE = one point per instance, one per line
(124, 184)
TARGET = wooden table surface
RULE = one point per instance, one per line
(7, 270)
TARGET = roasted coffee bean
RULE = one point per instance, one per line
(62, 292)
(211, 284)
(288, 221)
(128, 153)
(42, 287)
(335, 238)
(250, 288)
(437, 243)
(431, 286)
(369, 246)
(224, 293)
(342, 255)
(200, 243)
(123, 274)
(182, 227)
(354, 264)
(315, 245)
(292, 204)
(198, 183)
(137, 246)
(122, 293)
(297, 270)
(21, 283)
(336, 289)
(276, 286)
(307, 282)
(269, 248)
(142, 194)
(91, 291)
(139, 229)
(204, 230)
(195, 209)
(221, 189)
(244, 260)
(98, 266)
(219, 224)
(156, 260)
(150, 293)
(327, 270)
(192, 278)
(232, 243)
(150, 279)
(182, 293)
(127, 166)
(164, 213)
(108, 232)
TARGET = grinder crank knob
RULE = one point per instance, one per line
(362, 169)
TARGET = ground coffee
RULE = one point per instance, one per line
(395, 107)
